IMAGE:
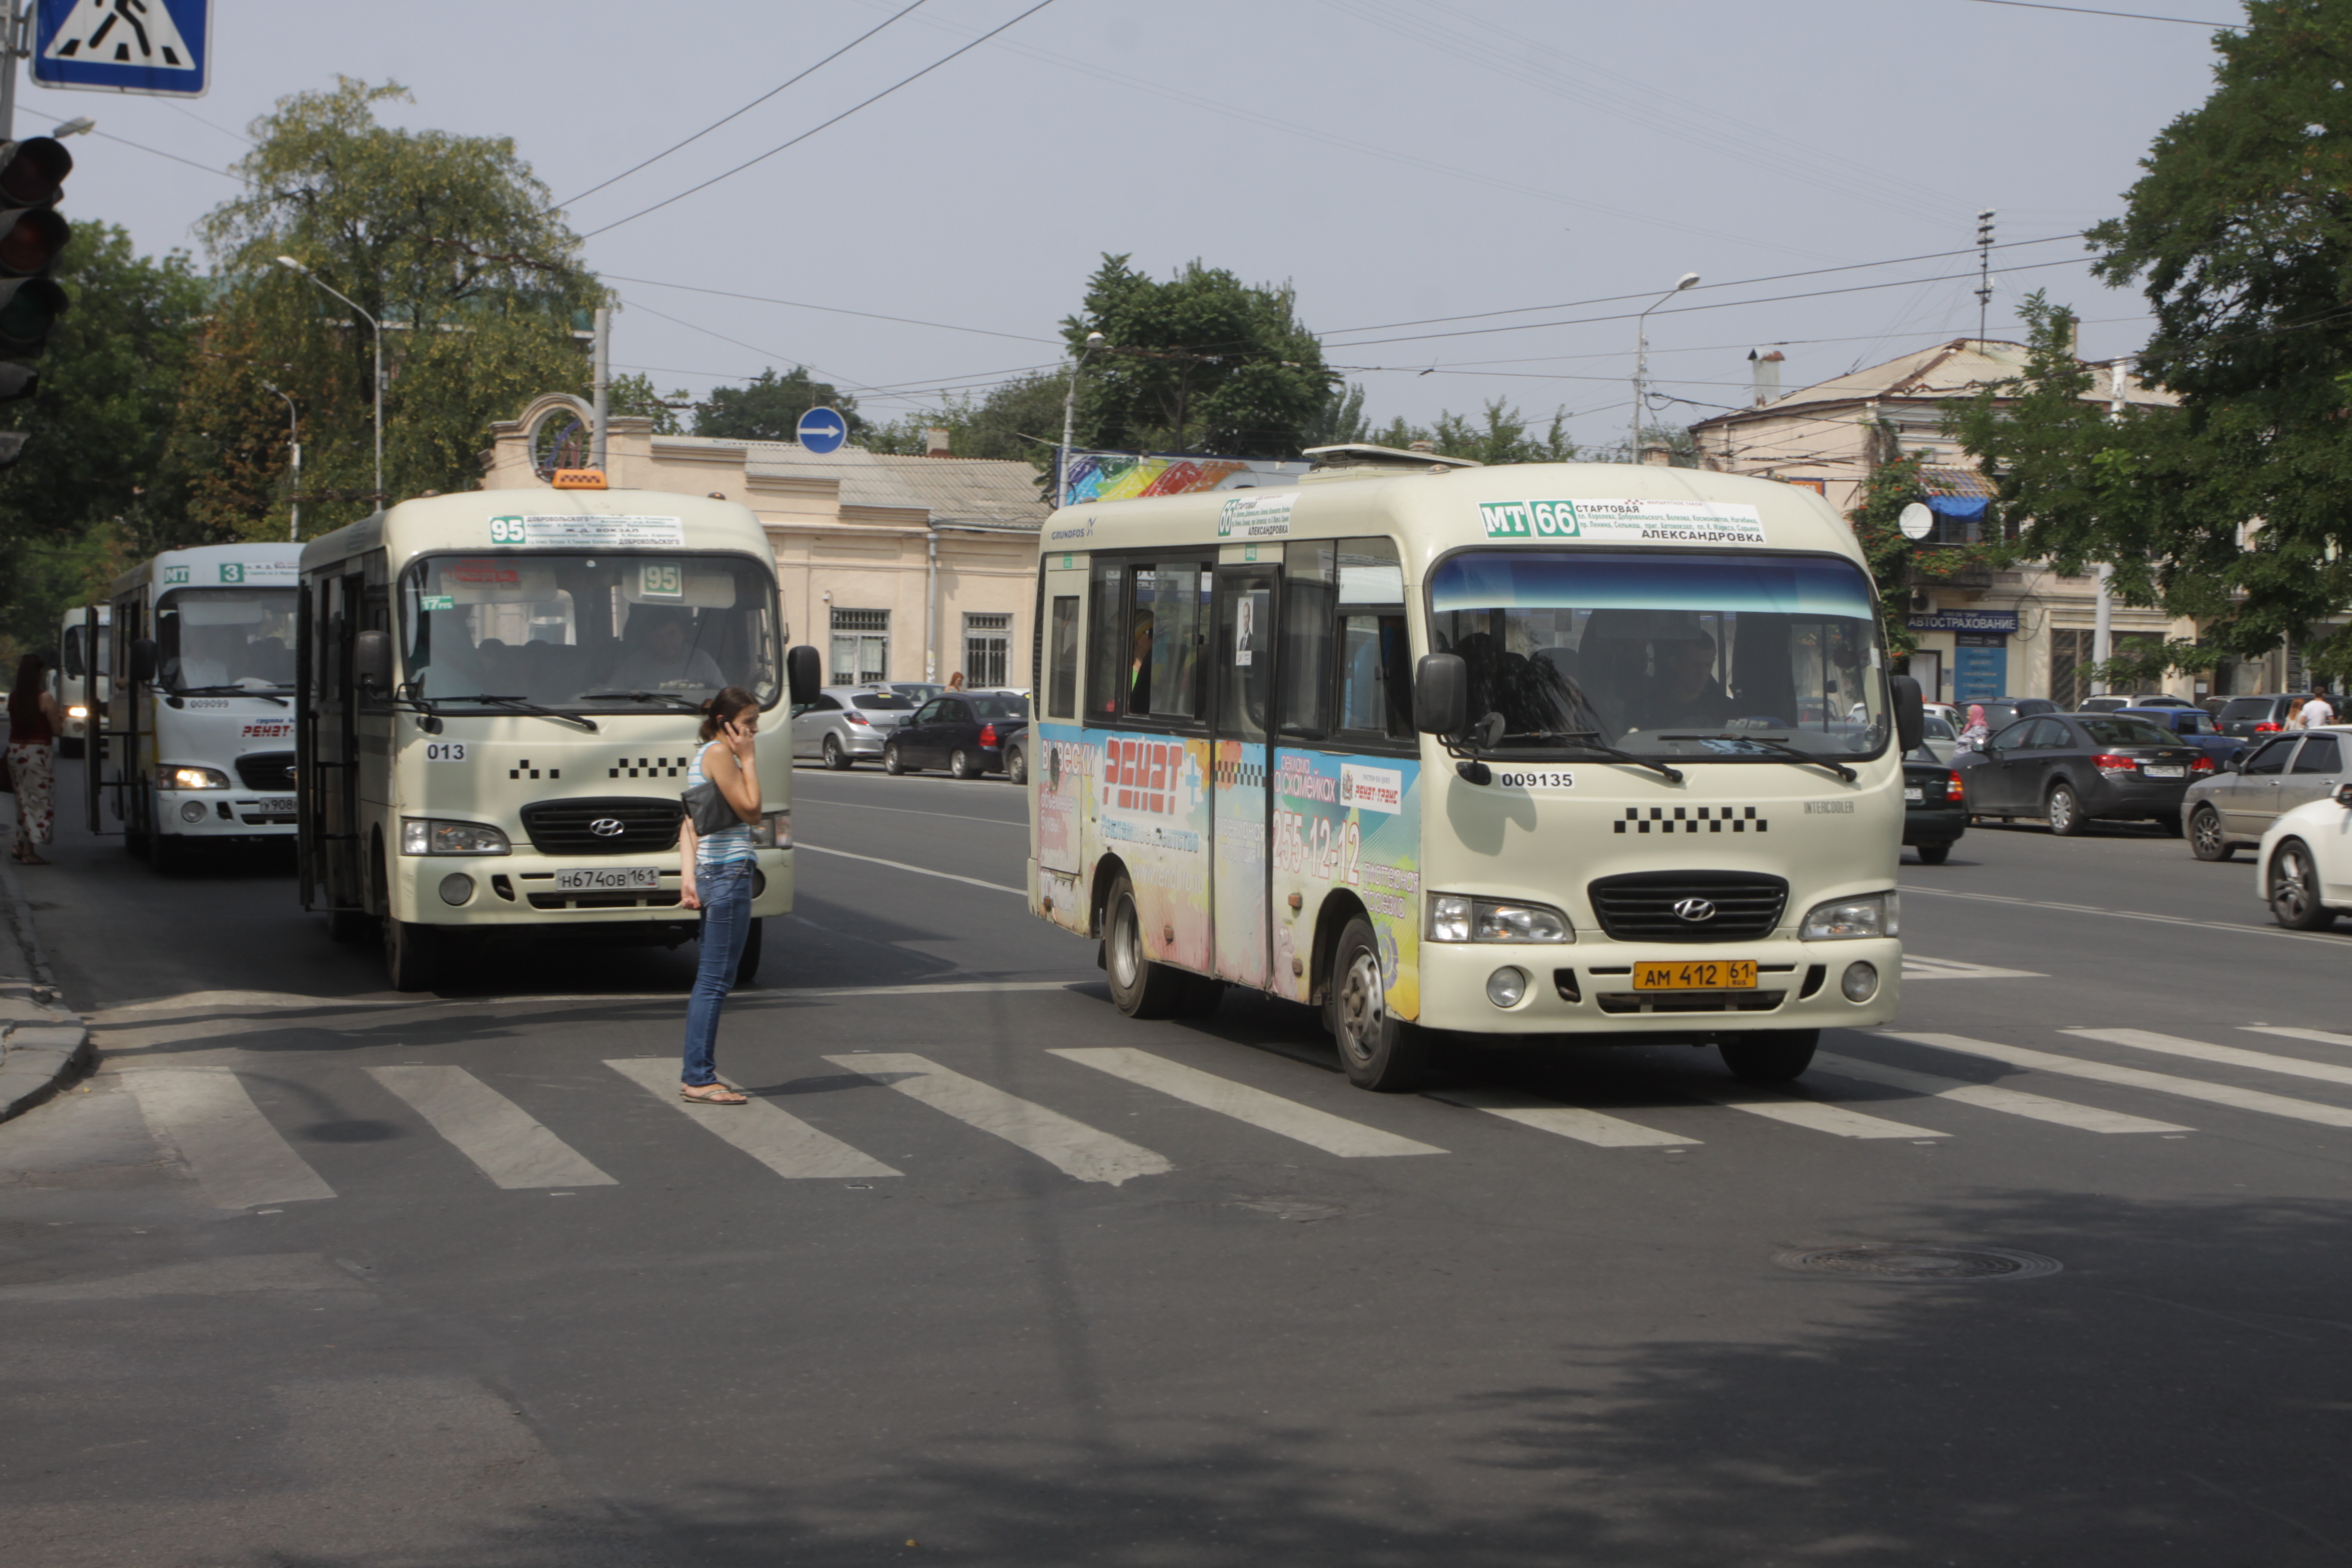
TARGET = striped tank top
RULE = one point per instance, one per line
(730, 844)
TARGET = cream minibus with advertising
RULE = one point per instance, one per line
(499, 696)
(1609, 753)
(198, 744)
(78, 679)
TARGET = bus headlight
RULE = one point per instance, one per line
(425, 835)
(1452, 918)
(195, 778)
(77, 712)
(1506, 988)
(774, 831)
(1860, 981)
(1844, 920)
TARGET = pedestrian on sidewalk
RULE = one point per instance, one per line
(2293, 720)
(2318, 711)
(1977, 731)
(716, 870)
(34, 722)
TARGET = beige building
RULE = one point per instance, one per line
(1982, 632)
(896, 568)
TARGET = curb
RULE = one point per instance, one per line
(42, 1046)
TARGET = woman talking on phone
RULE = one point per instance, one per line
(715, 867)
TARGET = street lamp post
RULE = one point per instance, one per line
(1069, 418)
(293, 445)
(1641, 360)
(289, 262)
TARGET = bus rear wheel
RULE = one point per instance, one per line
(1379, 1050)
(1771, 1056)
(1139, 988)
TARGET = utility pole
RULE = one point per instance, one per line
(18, 20)
(1642, 362)
(602, 387)
(1069, 417)
(294, 446)
(2103, 634)
(1984, 271)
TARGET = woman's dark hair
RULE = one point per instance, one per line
(29, 671)
(722, 707)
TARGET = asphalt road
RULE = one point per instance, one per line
(312, 1274)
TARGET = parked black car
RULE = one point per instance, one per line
(2193, 725)
(2075, 768)
(961, 731)
(1935, 806)
(2000, 712)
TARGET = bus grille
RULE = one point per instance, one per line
(572, 827)
(1641, 906)
(271, 770)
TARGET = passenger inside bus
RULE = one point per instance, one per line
(662, 654)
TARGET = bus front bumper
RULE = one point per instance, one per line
(524, 889)
(1589, 988)
(224, 814)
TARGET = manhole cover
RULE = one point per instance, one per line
(1298, 1211)
(1901, 1262)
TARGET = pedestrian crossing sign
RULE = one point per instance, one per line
(157, 48)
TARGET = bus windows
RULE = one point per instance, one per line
(1062, 682)
(1309, 595)
(1106, 655)
(1375, 675)
(1163, 673)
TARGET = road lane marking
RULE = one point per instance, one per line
(2227, 1056)
(238, 1157)
(1909, 887)
(764, 1130)
(917, 870)
(2134, 1078)
(493, 1131)
(1917, 967)
(1987, 1097)
(1271, 1113)
(2320, 1037)
(1071, 1147)
(1564, 1121)
(1021, 823)
(1797, 1110)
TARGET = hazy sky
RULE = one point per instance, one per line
(1394, 160)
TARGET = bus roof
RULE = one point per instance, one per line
(253, 564)
(545, 520)
(1608, 505)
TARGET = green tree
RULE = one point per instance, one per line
(1019, 421)
(1201, 363)
(769, 408)
(2228, 508)
(634, 395)
(1500, 435)
(450, 241)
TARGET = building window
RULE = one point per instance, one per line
(2072, 651)
(986, 639)
(861, 647)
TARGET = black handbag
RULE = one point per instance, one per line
(708, 810)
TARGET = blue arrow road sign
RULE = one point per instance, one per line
(158, 47)
(822, 430)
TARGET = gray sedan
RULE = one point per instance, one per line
(2283, 771)
(845, 724)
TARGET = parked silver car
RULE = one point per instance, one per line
(2283, 772)
(845, 724)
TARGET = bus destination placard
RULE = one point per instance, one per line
(558, 531)
(1625, 522)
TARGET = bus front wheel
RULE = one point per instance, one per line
(1379, 1050)
(1772, 1055)
(409, 954)
(1140, 988)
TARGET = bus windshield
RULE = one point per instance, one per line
(1698, 656)
(226, 640)
(574, 630)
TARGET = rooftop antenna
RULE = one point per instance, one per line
(1984, 271)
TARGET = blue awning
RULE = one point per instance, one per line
(1965, 507)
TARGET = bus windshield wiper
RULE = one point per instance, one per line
(1782, 750)
(520, 705)
(685, 704)
(267, 694)
(1590, 739)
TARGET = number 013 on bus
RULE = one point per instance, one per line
(1596, 755)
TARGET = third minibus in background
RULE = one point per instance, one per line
(199, 733)
(1603, 754)
(501, 695)
(77, 677)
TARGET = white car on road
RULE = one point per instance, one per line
(2304, 867)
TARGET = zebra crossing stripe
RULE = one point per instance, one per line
(1564, 1121)
(2227, 1056)
(1797, 1110)
(766, 1132)
(1071, 1147)
(493, 1131)
(238, 1157)
(1271, 1113)
(1988, 1097)
(2229, 1095)
(2319, 1036)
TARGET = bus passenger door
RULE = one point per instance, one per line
(1243, 653)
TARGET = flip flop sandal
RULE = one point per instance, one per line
(707, 1097)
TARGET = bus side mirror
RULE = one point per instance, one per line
(1910, 713)
(1441, 694)
(803, 674)
(372, 661)
(72, 658)
(2344, 794)
(142, 660)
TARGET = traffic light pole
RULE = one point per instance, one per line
(18, 21)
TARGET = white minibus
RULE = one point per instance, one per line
(199, 742)
(1605, 753)
(77, 676)
(499, 696)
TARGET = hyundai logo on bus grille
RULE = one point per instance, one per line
(1695, 909)
(610, 828)
(1692, 819)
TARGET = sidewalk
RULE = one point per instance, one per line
(42, 1046)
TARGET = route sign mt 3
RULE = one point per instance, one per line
(160, 48)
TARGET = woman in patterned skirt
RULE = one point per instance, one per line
(32, 725)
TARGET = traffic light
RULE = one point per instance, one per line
(32, 236)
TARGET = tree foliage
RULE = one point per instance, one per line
(1500, 434)
(1019, 421)
(768, 408)
(634, 394)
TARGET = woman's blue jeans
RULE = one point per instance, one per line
(726, 893)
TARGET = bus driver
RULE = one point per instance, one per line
(665, 657)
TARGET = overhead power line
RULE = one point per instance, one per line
(831, 310)
(742, 112)
(2127, 15)
(894, 86)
